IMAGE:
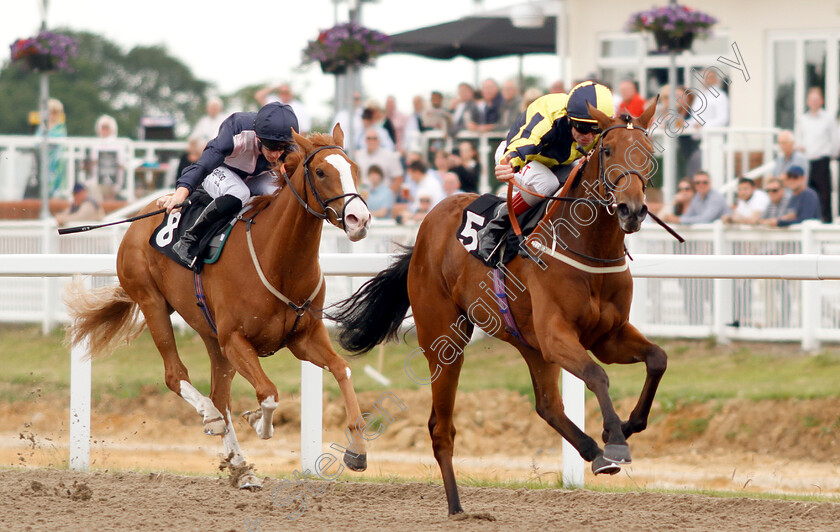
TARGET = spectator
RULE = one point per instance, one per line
(709, 109)
(528, 98)
(788, 156)
(437, 117)
(779, 196)
(443, 163)
(488, 109)
(108, 158)
(511, 104)
(451, 184)
(424, 205)
(283, 93)
(207, 126)
(751, 203)
(380, 199)
(414, 125)
(706, 206)
(463, 109)
(815, 137)
(467, 167)
(83, 208)
(631, 101)
(426, 185)
(682, 199)
(398, 120)
(558, 87)
(56, 128)
(374, 154)
(195, 147)
(804, 205)
(371, 116)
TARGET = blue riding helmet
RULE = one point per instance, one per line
(274, 123)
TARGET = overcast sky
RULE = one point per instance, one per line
(233, 43)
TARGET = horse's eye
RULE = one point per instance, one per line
(319, 172)
(607, 151)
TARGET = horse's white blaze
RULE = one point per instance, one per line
(354, 206)
(232, 444)
(203, 405)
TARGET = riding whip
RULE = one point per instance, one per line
(83, 228)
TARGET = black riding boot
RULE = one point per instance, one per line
(218, 209)
(490, 235)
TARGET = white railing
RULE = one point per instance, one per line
(148, 164)
(793, 267)
(729, 309)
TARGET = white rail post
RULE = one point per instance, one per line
(574, 401)
(311, 415)
(721, 290)
(810, 294)
(80, 367)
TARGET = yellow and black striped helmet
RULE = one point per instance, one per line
(598, 95)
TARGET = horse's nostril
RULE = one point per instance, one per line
(643, 211)
(623, 210)
(351, 219)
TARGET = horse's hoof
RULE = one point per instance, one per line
(252, 416)
(356, 462)
(215, 427)
(602, 466)
(249, 481)
(617, 454)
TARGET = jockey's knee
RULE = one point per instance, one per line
(539, 178)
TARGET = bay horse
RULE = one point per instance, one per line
(571, 298)
(274, 257)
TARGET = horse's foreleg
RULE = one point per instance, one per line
(243, 357)
(561, 346)
(221, 375)
(549, 405)
(176, 375)
(315, 347)
(627, 346)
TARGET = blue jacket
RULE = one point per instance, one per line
(805, 205)
(236, 147)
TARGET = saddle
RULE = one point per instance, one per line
(175, 224)
(480, 211)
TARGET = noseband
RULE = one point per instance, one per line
(324, 204)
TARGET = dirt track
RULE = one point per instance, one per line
(38, 499)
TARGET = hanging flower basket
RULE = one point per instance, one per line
(674, 27)
(344, 46)
(46, 52)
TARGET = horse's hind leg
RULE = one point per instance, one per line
(626, 346)
(156, 312)
(243, 357)
(443, 348)
(545, 376)
(221, 375)
(314, 346)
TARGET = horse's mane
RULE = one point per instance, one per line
(292, 161)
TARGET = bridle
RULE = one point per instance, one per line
(607, 186)
(308, 185)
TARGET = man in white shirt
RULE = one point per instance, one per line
(375, 154)
(207, 126)
(427, 185)
(283, 93)
(751, 204)
(710, 108)
(788, 155)
(815, 137)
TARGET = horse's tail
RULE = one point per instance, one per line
(106, 317)
(374, 313)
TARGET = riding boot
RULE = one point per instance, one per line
(218, 209)
(490, 235)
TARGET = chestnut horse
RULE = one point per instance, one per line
(574, 298)
(243, 294)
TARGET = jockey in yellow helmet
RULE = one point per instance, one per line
(541, 148)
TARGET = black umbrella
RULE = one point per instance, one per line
(477, 38)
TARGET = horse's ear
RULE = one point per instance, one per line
(603, 120)
(647, 116)
(338, 135)
(303, 142)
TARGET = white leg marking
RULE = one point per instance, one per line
(348, 372)
(203, 405)
(264, 426)
(232, 444)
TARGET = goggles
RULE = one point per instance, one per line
(274, 145)
(586, 128)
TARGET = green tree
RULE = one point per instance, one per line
(106, 80)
